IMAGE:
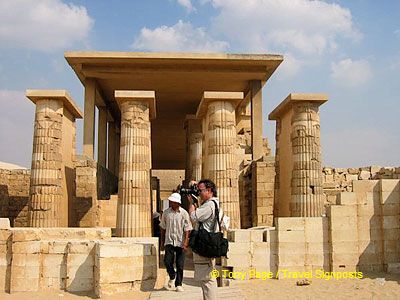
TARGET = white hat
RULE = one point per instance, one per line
(175, 197)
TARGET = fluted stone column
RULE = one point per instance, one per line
(54, 124)
(117, 149)
(134, 198)
(194, 138)
(299, 165)
(220, 163)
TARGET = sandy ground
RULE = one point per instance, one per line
(68, 296)
(379, 286)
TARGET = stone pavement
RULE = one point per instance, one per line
(192, 291)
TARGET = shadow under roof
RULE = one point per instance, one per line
(178, 79)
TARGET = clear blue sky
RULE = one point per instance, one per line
(347, 49)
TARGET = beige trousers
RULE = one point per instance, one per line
(202, 269)
(209, 288)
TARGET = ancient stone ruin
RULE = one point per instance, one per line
(83, 222)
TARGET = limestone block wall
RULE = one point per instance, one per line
(108, 212)
(360, 233)
(263, 178)
(85, 205)
(251, 250)
(303, 244)
(245, 197)
(75, 260)
(14, 196)
(256, 193)
(5, 259)
(366, 226)
(36, 257)
(169, 180)
(112, 258)
(336, 180)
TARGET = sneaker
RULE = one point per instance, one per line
(179, 288)
(171, 283)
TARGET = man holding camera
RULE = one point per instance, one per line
(175, 229)
(206, 214)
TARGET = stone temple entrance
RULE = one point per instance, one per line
(170, 111)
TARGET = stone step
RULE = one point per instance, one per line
(192, 290)
(195, 293)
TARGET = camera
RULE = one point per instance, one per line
(192, 191)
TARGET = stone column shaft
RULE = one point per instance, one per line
(47, 184)
(117, 150)
(298, 156)
(194, 138)
(220, 163)
(134, 198)
(307, 189)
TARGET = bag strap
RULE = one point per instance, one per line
(217, 215)
(200, 225)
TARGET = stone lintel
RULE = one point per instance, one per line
(286, 104)
(149, 96)
(235, 97)
(190, 117)
(63, 95)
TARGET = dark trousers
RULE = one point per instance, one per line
(170, 252)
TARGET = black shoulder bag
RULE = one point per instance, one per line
(209, 244)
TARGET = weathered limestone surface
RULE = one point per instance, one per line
(298, 156)
(86, 206)
(336, 180)
(307, 193)
(256, 119)
(108, 212)
(365, 228)
(245, 197)
(303, 244)
(219, 148)
(75, 260)
(263, 177)
(14, 196)
(360, 233)
(112, 258)
(134, 199)
(344, 237)
(248, 180)
(194, 138)
(53, 151)
(252, 250)
(46, 184)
